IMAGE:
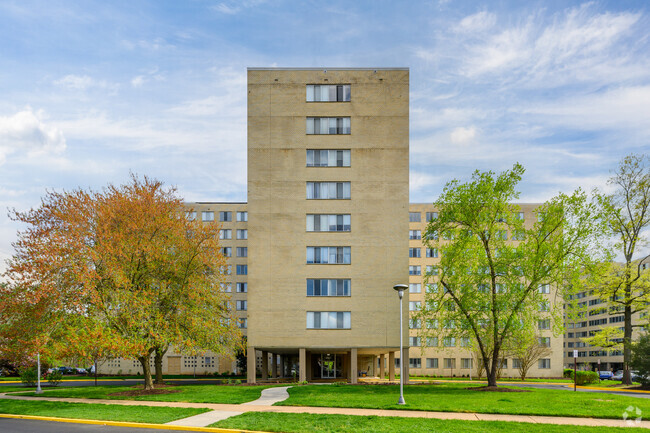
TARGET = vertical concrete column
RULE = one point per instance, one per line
(405, 360)
(282, 361)
(265, 365)
(251, 365)
(391, 366)
(382, 366)
(354, 371)
(303, 365)
(274, 365)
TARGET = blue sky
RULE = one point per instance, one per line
(92, 90)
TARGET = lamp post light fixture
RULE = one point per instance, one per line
(400, 291)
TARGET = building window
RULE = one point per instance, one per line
(519, 216)
(242, 251)
(617, 319)
(328, 223)
(226, 251)
(225, 216)
(190, 215)
(466, 363)
(414, 341)
(328, 255)
(464, 342)
(415, 362)
(242, 234)
(328, 158)
(242, 287)
(415, 270)
(414, 217)
(414, 252)
(449, 362)
(545, 288)
(544, 363)
(432, 363)
(516, 363)
(225, 234)
(432, 216)
(328, 125)
(242, 217)
(415, 288)
(545, 341)
(449, 342)
(207, 216)
(431, 270)
(243, 323)
(226, 287)
(415, 305)
(415, 324)
(415, 234)
(328, 92)
(432, 252)
(432, 341)
(328, 190)
(242, 269)
(242, 305)
(338, 287)
(226, 269)
(328, 320)
(544, 324)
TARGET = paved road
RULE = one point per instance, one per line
(32, 426)
(570, 388)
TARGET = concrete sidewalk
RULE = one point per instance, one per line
(241, 408)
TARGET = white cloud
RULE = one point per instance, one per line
(25, 132)
(138, 81)
(574, 41)
(477, 22)
(419, 180)
(463, 135)
(234, 7)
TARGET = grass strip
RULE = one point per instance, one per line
(186, 393)
(451, 397)
(308, 423)
(102, 412)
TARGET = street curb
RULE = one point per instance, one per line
(631, 391)
(128, 424)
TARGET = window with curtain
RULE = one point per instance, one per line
(328, 158)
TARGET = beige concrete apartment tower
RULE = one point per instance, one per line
(328, 178)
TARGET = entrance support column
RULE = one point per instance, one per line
(274, 365)
(302, 365)
(265, 365)
(282, 360)
(382, 366)
(391, 366)
(354, 374)
(251, 364)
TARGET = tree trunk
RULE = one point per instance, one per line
(627, 345)
(158, 359)
(146, 370)
(492, 373)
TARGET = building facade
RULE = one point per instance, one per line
(328, 231)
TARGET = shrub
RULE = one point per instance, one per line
(28, 376)
(586, 377)
(55, 377)
(568, 373)
(238, 382)
(641, 359)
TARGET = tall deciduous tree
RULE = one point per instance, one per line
(627, 214)
(486, 286)
(127, 259)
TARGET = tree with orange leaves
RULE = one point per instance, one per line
(123, 270)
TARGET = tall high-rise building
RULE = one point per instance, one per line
(328, 179)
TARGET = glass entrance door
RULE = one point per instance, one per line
(328, 366)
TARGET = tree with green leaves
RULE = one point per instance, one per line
(122, 268)
(494, 267)
(641, 359)
(626, 211)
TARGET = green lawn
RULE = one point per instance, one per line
(452, 397)
(188, 393)
(308, 423)
(104, 412)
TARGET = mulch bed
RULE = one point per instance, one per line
(495, 389)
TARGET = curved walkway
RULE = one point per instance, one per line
(248, 407)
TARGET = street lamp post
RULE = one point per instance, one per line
(400, 291)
